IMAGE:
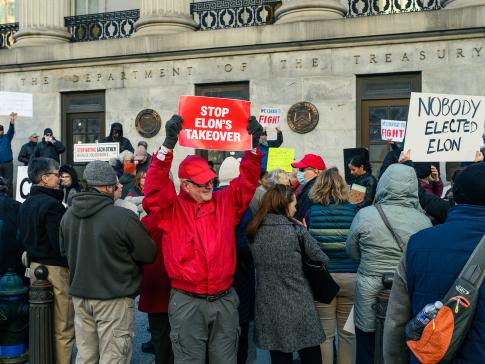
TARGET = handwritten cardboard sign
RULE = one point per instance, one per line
(280, 158)
(444, 128)
(214, 123)
(18, 102)
(95, 151)
(393, 130)
(269, 116)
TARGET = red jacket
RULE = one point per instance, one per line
(199, 240)
(155, 284)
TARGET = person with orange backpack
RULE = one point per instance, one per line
(443, 263)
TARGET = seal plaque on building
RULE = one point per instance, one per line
(303, 117)
(148, 123)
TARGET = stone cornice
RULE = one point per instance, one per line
(376, 30)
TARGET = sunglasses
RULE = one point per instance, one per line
(47, 135)
(305, 169)
(205, 185)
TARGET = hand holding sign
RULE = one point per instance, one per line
(255, 129)
(172, 130)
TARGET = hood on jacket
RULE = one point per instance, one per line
(398, 186)
(67, 168)
(87, 204)
(116, 126)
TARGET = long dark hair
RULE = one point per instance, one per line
(359, 160)
(67, 168)
(276, 201)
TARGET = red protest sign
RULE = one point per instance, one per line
(215, 124)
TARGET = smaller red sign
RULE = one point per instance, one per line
(214, 123)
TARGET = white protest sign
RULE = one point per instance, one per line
(23, 184)
(269, 116)
(444, 128)
(393, 130)
(18, 102)
(95, 151)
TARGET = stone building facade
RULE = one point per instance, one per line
(356, 70)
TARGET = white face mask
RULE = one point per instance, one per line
(300, 176)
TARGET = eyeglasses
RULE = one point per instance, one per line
(54, 173)
(305, 169)
(65, 176)
(205, 185)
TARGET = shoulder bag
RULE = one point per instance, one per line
(323, 287)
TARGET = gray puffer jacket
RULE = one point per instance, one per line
(371, 242)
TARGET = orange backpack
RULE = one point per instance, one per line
(442, 337)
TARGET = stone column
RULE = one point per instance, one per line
(164, 17)
(41, 22)
(308, 10)
(455, 4)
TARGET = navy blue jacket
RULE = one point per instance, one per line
(329, 225)
(435, 257)
(6, 145)
(270, 144)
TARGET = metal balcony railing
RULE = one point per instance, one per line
(221, 14)
(6, 34)
(380, 7)
(118, 24)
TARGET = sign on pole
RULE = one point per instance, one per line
(393, 130)
(444, 128)
(95, 151)
(23, 184)
(214, 123)
(18, 102)
(269, 116)
(280, 158)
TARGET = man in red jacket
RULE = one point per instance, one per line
(198, 243)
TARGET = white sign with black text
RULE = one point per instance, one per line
(444, 128)
(393, 130)
(88, 152)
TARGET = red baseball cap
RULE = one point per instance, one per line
(310, 160)
(196, 169)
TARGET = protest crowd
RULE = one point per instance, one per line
(218, 251)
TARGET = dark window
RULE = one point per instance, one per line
(83, 121)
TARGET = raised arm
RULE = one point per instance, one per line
(279, 139)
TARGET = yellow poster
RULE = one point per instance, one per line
(280, 158)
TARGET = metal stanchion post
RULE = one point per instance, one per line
(41, 328)
(381, 309)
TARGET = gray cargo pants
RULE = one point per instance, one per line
(201, 329)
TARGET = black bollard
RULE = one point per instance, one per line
(41, 328)
(381, 309)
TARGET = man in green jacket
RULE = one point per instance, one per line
(105, 246)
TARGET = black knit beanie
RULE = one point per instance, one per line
(469, 187)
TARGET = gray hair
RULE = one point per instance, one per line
(124, 154)
(274, 177)
(39, 167)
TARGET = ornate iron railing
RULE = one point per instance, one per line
(6, 34)
(118, 24)
(379, 7)
(221, 14)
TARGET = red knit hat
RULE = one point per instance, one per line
(310, 160)
(196, 169)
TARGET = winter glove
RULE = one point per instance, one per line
(172, 130)
(255, 129)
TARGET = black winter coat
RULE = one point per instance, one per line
(49, 150)
(26, 152)
(38, 225)
(125, 144)
(10, 248)
(304, 202)
(370, 183)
